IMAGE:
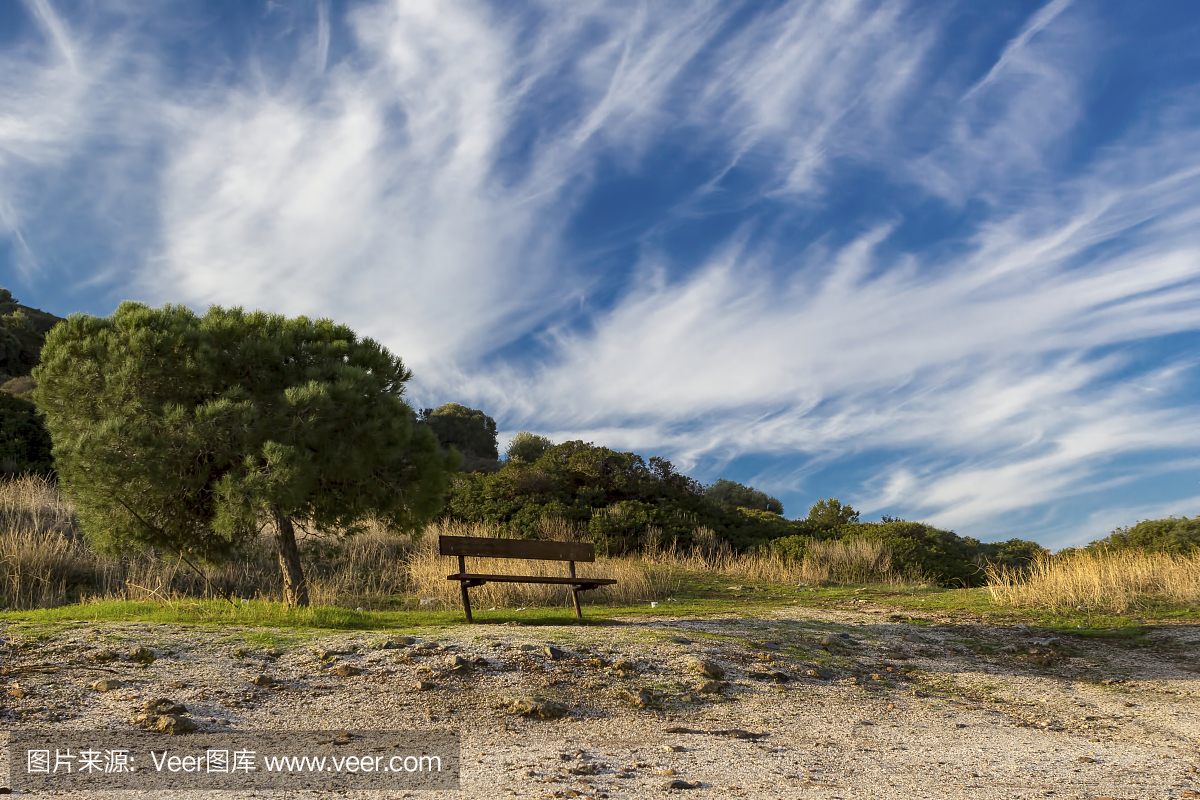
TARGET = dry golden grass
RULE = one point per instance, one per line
(45, 562)
(1115, 582)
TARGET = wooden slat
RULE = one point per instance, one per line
(529, 579)
(481, 547)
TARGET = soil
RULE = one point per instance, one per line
(799, 703)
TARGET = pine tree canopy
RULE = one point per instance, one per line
(188, 432)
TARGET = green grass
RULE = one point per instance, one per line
(700, 595)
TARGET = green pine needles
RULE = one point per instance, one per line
(190, 433)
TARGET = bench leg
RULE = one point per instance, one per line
(466, 600)
(575, 597)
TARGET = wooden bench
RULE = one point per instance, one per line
(532, 550)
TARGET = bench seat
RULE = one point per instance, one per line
(530, 579)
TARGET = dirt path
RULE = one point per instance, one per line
(811, 704)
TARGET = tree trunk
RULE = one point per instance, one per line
(295, 588)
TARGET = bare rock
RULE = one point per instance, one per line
(538, 708)
(709, 670)
(164, 705)
(680, 784)
(170, 724)
(643, 698)
(141, 655)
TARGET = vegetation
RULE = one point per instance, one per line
(194, 447)
(189, 434)
(22, 331)
(467, 430)
(25, 445)
(526, 448)
(739, 496)
(1110, 581)
(1171, 535)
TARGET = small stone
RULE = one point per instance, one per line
(240, 653)
(347, 670)
(1086, 760)
(779, 677)
(674, 748)
(678, 784)
(170, 724)
(402, 641)
(274, 652)
(106, 684)
(538, 708)
(644, 698)
(680, 640)
(770, 646)
(554, 654)
(424, 686)
(709, 670)
(460, 661)
(177, 685)
(710, 687)
(819, 672)
(104, 655)
(263, 680)
(141, 655)
(19, 693)
(164, 706)
(527, 647)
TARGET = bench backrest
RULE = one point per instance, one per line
(480, 547)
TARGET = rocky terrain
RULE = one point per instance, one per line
(795, 704)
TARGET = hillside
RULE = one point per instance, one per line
(23, 330)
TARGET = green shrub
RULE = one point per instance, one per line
(25, 445)
(1171, 535)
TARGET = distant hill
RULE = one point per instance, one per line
(22, 332)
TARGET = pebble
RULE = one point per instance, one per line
(106, 684)
(347, 670)
(538, 708)
(678, 784)
(709, 669)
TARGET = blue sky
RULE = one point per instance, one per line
(941, 261)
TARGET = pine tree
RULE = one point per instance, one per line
(188, 433)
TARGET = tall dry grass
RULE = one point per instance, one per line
(1115, 582)
(857, 562)
(45, 562)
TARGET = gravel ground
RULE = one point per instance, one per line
(796, 704)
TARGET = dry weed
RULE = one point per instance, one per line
(1109, 581)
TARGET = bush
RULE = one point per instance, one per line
(25, 445)
(467, 430)
(1170, 535)
(526, 447)
(739, 496)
